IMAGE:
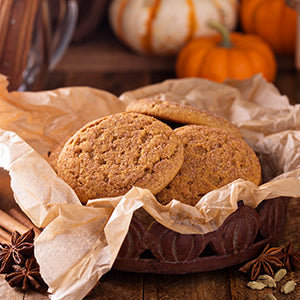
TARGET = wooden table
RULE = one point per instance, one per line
(104, 63)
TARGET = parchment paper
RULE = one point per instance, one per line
(80, 243)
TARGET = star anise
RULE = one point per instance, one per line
(265, 263)
(291, 258)
(21, 247)
(27, 277)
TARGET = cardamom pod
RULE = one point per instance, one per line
(255, 285)
(288, 287)
(280, 274)
(267, 280)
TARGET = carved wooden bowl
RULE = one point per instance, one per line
(150, 247)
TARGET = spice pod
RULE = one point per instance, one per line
(149, 247)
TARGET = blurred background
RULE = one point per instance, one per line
(120, 45)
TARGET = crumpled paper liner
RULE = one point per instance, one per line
(80, 243)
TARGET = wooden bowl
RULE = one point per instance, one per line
(150, 247)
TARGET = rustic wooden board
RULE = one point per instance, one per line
(208, 285)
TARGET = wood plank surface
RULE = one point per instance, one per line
(209, 285)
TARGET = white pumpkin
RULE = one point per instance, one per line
(163, 26)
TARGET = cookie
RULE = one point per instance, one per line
(212, 158)
(173, 112)
(108, 156)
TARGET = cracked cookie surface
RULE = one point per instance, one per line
(108, 156)
(181, 114)
(212, 159)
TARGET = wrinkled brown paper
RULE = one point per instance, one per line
(80, 243)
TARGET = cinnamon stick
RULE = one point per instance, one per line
(17, 215)
(4, 236)
(10, 224)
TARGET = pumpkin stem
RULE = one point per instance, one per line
(223, 31)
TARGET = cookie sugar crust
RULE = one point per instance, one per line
(212, 158)
(183, 114)
(108, 156)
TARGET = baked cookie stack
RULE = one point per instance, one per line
(109, 156)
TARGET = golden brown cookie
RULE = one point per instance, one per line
(212, 158)
(108, 156)
(169, 111)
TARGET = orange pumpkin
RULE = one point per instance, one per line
(273, 20)
(235, 55)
